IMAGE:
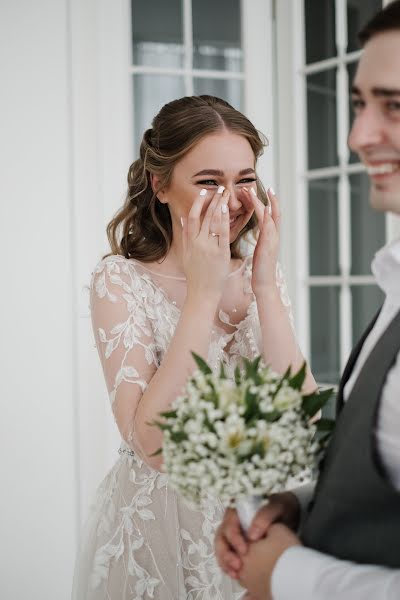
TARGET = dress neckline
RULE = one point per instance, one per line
(237, 271)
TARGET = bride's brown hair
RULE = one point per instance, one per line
(142, 228)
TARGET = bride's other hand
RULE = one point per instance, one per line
(267, 248)
(205, 240)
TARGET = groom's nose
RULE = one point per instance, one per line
(368, 129)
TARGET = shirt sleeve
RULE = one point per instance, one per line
(304, 573)
(124, 339)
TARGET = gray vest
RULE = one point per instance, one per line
(355, 513)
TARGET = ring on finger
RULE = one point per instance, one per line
(214, 234)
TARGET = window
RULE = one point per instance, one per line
(340, 233)
(184, 47)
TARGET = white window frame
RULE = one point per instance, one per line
(293, 176)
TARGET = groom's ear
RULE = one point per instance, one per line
(155, 185)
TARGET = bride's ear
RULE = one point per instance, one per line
(161, 195)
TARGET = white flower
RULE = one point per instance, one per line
(287, 398)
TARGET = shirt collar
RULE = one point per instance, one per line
(386, 269)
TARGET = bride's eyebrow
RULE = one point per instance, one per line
(218, 173)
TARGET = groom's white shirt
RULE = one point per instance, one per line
(304, 573)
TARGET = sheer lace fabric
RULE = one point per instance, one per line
(141, 540)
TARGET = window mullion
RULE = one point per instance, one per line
(346, 325)
(188, 46)
(301, 204)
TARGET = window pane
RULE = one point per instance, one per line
(217, 43)
(359, 12)
(351, 73)
(321, 119)
(366, 300)
(323, 226)
(230, 90)
(367, 226)
(320, 29)
(157, 33)
(325, 336)
(151, 92)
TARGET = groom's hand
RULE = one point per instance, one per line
(283, 507)
(261, 558)
(231, 544)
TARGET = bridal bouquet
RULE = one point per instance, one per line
(242, 437)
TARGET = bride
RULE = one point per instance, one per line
(176, 282)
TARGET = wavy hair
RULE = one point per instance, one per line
(142, 227)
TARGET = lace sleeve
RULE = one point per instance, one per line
(124, 338)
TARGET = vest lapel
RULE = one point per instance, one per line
(351, 362)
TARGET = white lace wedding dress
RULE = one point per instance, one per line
(141, 540)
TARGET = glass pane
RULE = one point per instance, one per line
(366, 300)
(367, 226)
(151, 92)
(320, 29)
(321, 119)
(325, 336)
(323, 226)
(157, 33)
(359, 12)
(351, 73)
(217, 43)
(230, 90)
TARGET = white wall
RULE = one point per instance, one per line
(54, 435)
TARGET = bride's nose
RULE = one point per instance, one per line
(234, 202)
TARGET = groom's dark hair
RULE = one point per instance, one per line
(387, 19)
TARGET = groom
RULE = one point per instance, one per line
(349, 544)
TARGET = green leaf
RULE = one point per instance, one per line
(325, 425)
(222, 374)
(251, 402)
(162, 426)
(297, 380)
(170, 414)
(178, 436)
(272, 416)
(156, 453)
(251, 367)
(312, 403)
(201, 363)
(237, 375)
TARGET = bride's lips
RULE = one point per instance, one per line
(233, 219)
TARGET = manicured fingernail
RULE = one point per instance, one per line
(224, 208)
(253, 191)
(203, 192)
(270, 189)
(182, 221)
(220, 189)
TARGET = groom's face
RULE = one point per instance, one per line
(375, 134)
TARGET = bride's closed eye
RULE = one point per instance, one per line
(211, 182)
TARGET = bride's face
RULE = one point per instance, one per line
(218, 159)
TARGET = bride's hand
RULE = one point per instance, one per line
(267, 248)
(206, 257)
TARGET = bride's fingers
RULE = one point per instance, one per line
(275, 211)
(210, 212)
(224, 232)
(193, 219)
(215, 224)
(256, 203)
